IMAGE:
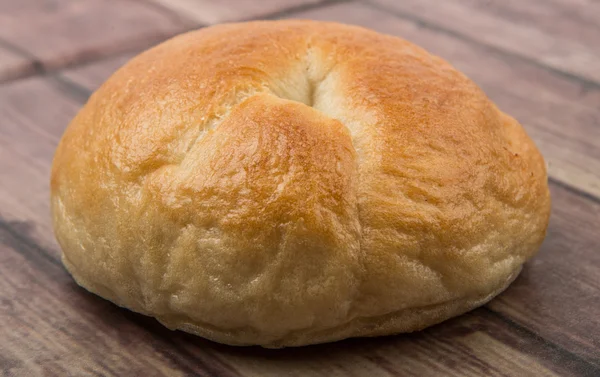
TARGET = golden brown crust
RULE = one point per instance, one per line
(291, 182)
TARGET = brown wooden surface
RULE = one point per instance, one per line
(60, 32)
(211, 11)
(539, 60)
(482, 21)
(13, 64)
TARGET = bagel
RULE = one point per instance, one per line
(284, 183)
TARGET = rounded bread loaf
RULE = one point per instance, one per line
(283, 183)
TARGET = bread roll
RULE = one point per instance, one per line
(286, 183)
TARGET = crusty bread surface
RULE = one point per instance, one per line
(283, 183)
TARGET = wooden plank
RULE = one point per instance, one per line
(60, 32)
(542, 101)
(34, 113)
(13, 65)
(212, 12)
(566, 19)
(51, 327)
(476, 344)
(92, 75)
(565, 52)
(561, 115)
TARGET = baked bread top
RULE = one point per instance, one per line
(292, 182)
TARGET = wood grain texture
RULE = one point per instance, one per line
(33, 112)
(215, 11)
(561, 115)
(92, 75)
(571, 20)
(13, 64)
(575, 55)
(60, 32)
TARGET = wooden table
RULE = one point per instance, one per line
(539, 60)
